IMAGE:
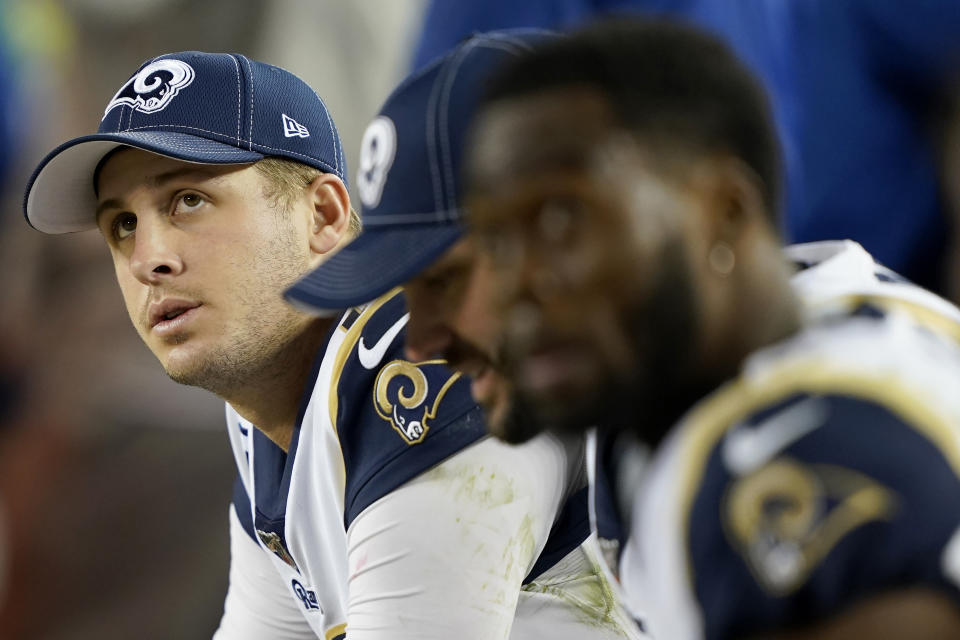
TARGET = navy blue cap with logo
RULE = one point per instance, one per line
(409, 175)
(210, 108)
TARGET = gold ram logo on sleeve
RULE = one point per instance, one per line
(403, 397)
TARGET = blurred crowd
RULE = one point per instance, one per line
(115, 482)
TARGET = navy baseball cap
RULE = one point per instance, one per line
(210, 108)
(409, 175)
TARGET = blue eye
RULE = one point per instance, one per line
(124, 225)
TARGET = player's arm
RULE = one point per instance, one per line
(444, 555)
(258, 604)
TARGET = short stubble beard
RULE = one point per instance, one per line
(265, 345)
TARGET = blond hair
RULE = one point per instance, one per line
(286, 180)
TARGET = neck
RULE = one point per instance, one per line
(271, 399)
(764, 310)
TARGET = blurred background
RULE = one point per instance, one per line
(115, 482)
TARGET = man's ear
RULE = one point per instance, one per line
(736, 201)
(330, 210)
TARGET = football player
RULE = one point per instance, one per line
(773, 466)
(367, 502)
(413, 235)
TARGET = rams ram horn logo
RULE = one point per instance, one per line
(786, 517)
(402, 396)
(153, 87)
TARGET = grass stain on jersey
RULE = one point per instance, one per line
(590, 599)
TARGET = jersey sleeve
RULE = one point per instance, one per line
(823, 501)
(258, 603)
(399, 418)
(444, 555)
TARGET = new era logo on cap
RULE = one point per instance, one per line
(292, 128)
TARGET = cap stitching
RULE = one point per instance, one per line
(331, 169)
(442, 215)
(445, 152)
(507, 43)
(333, 130)
(326, 164)
(188, 147)
(431, 147)
(343, 161)
(250, 73)
(236, 66)
(181, 126)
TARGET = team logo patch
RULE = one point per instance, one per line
(306, 597)
(786, 517)
(293, 129)
(153, 87)
(403, 397)
(377, 148)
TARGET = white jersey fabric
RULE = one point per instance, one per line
(393, 517)
(766, 504)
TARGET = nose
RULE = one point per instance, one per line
(154, 258)
(427, 338)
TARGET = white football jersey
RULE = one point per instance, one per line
(765, 507)
(374, 426)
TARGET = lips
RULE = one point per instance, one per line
(551, 368)
(171, 313)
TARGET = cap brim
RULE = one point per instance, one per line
(60, 195)
(378, 260)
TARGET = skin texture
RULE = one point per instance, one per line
(440, 318)
(208, 239)
(598, 254)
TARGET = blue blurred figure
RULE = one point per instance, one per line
(853, 86)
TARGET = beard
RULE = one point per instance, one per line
(263, 342)
(246, 357)
(665, 381)
(513, 423)
(520, 421)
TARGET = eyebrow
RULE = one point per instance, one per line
(112, 203)
(159, 180)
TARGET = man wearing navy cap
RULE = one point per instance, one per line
(367, 501)
(414, 229)
(623, 185)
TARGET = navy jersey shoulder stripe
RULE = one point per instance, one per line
(273, 469)
(241, 506)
